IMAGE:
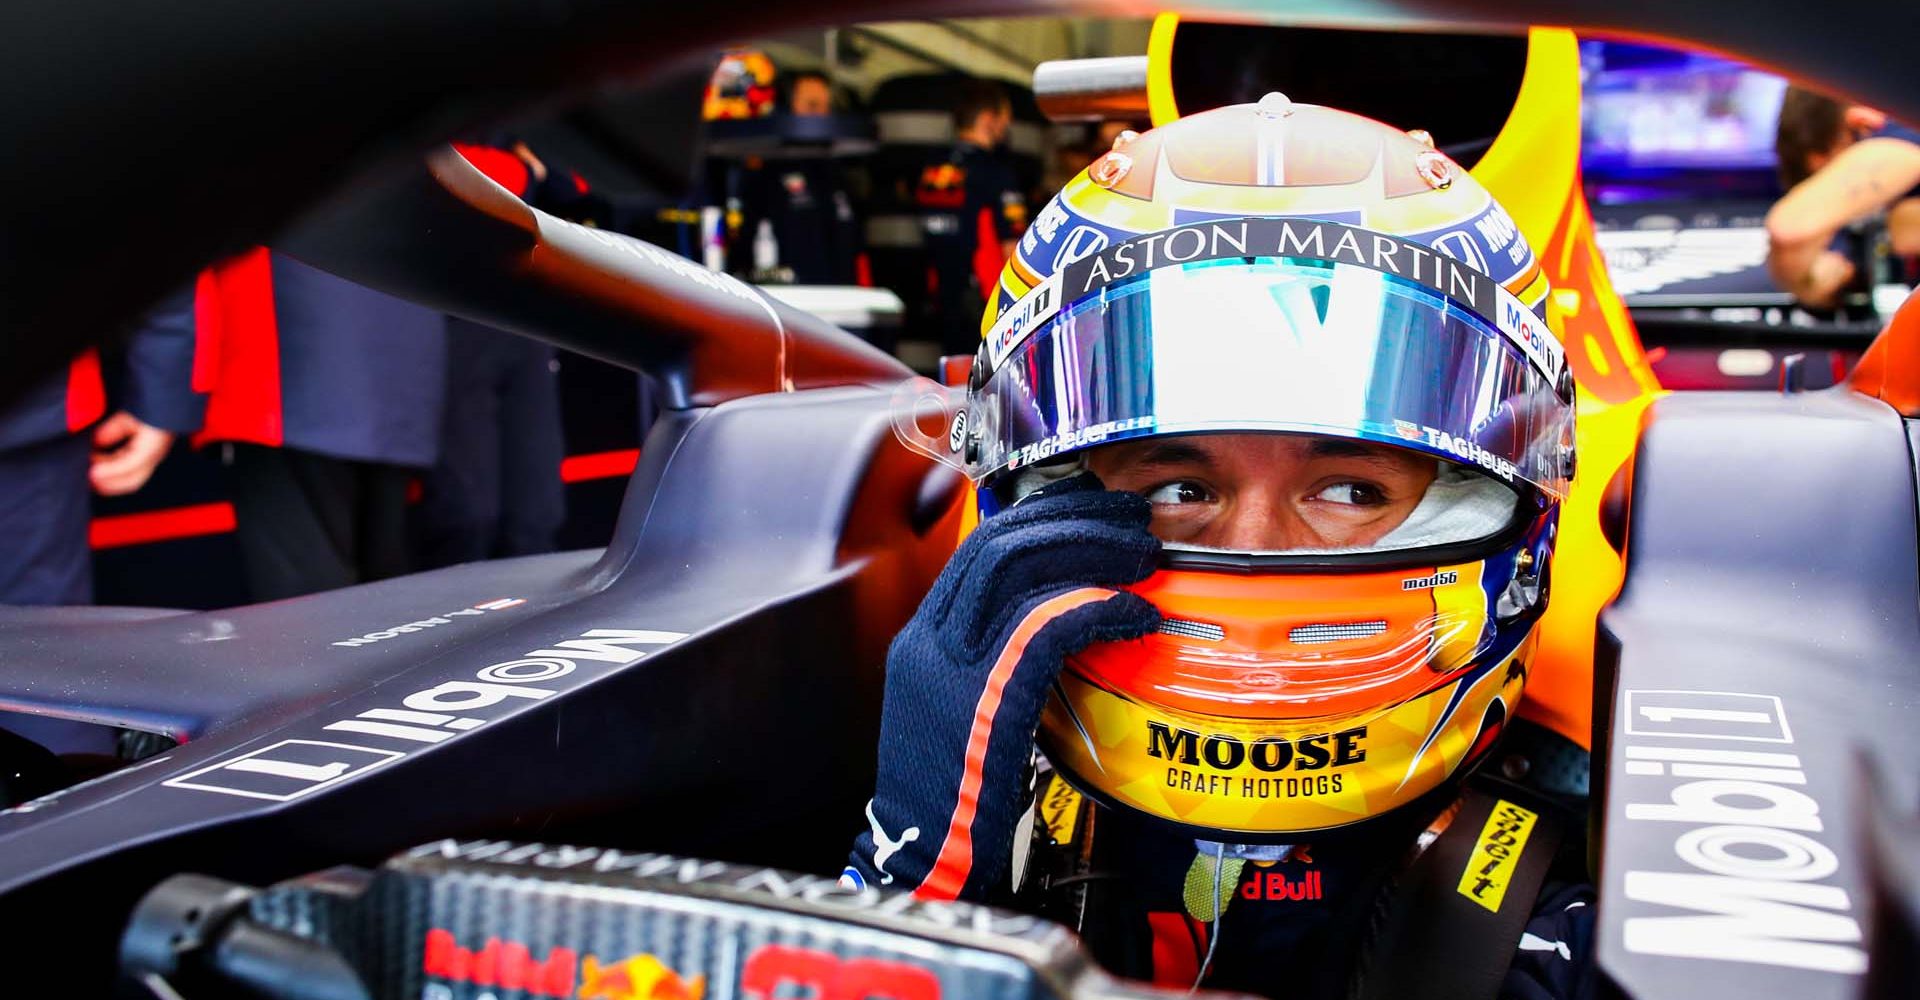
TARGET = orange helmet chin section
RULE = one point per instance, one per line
(1273, 706)
(1296, 648)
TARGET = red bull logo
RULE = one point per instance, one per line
(779, 970)
(942, 186)
(636, 977)
(1277, 886)
(944, 176)
(508, 965)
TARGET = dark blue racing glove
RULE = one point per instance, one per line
(967, 677)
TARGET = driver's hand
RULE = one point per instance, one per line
(967, 677)
(125, 453)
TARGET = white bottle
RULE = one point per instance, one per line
(713, 238)
(766, 250)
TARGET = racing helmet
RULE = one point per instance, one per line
(742, 86)
(1290, 269)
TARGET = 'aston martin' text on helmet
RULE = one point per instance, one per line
(1293, 269)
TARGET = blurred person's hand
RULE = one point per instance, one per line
(125, 453)
(1903, 227)
(1825, 277)
(535, 166)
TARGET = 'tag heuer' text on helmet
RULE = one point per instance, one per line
(1292, 269)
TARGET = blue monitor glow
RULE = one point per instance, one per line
(1660, 122)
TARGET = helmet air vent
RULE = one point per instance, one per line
(1192, 630)
(1308, 634)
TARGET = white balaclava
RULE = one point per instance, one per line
(1459, 506)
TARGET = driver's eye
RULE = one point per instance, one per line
(1354, 494)
(1179, 491)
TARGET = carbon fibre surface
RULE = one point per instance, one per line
(467, 919)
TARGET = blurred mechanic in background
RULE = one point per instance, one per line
(803, 198)
(327, 398)
(495, 490)
(971, 210)
(809, 92)
(1840, 163)
(55, 450)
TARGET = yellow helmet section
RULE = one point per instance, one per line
(1272, 779)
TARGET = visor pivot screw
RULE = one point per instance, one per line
(1274, 105)
(1434, 168)
(957, 433)
(1524, 564)
(1421, 136)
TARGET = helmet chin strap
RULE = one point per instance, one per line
(1218, 901)
(1264, 853)
(1211, 881)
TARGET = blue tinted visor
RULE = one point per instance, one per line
(1282, 344)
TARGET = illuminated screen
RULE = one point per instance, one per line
(1652, 108)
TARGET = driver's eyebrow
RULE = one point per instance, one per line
(1382, 458)
(1172, 453)
(1337, 448)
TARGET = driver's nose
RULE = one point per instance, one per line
(1259, 523)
